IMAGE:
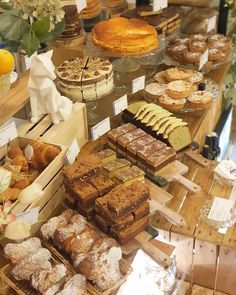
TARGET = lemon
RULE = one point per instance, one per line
(6, 62)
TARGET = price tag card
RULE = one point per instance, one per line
(101, 128)
(138, 84)
(120, 105)
(159, 4)
(7, 133)
(81, 4)
(30, 216)
(203, 59)
(220, 210)
(72, 152)
(211, 23)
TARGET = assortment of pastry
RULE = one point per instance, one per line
(23, 166)
(159, 123)
(124, 36)
(177, 88)
(123, 212)
(93, 255)
(85, 78)
(189, 49)
(35, 265)
(166, 21)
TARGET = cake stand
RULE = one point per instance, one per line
(88, 24)
(125, 66)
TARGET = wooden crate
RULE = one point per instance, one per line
(45, 179)
(63, 133)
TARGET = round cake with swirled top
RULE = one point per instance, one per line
(85, 78)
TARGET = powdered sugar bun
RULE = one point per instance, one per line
(199, 37)
(196, 77)
(154, 90)
(191, 57)
(160, 77)
(197, 46)
(214, 54)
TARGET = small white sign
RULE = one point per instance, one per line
(101, 128)
(30, 216)
(203, 59)
(138, 84)
(81, 4)
(8, 133)
(220, 210)
(159, 4)
(211, 25)
(120, 105)
(72, 152)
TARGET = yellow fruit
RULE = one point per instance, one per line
(6, 62)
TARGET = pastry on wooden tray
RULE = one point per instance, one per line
(106, 155)
(128, 176)
(114, 134)
(115, 166)
(125, 36)
(171, 104)
(180, 89)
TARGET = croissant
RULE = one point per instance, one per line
(14, 152)
(43, 155)
(24, 179)
(9, 194)
(20, 161)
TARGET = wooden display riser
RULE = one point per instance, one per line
(205, 255)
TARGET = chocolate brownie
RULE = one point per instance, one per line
(121, 223)
(141, 211)
(126, 235)
(112, 167)
(125, 203)
(114, 134)
(84, 193)
(81, 169)
(101, 183)
(86, 212)
(129, 137)
(133, 147)
(160, 158)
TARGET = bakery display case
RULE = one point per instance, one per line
(119, 196)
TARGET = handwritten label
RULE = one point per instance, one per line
(138, 84)
(221, 209)
(101, 128)
(211, 25)
(72, 152)
(203, 59)
(120, 105)
(81, 4)
(30, 216)
(7, 133)
(159, 4)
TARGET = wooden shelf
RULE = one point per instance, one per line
(14, 100)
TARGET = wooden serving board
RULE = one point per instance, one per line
(174, 171)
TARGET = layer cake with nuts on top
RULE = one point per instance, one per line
(85, 78)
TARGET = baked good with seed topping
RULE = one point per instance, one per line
(200, 99)
(180, 89)
(172, 104)
(85, 78)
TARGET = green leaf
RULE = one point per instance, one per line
(41, 27)
(56, 32)
(5, 6)
(30, 43)
(12, 46)
(12, 27)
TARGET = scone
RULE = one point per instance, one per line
(214, 54)
(171, 104)
(191, 57)
(154, 90)
(196, 77)
(200, 99)
(160, 77)
(179, 89)
(197, 46)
